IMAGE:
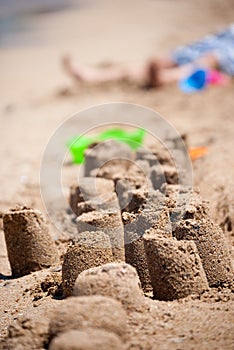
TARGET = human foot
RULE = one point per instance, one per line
(70, 69)
(78, 72)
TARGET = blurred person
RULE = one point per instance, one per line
(214, 51)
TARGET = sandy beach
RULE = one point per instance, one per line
(37, 96)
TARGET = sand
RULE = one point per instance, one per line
(37, 96)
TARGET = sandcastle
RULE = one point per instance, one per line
(29, 244)
(175, 267)
(134, 239)
(89, 250)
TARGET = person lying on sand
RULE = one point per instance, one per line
(215, 51)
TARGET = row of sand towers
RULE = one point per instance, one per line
(134, 239)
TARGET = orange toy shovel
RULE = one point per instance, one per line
(197, 152)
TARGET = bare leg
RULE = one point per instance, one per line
(134, 73)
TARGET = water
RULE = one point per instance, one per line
(16, 18)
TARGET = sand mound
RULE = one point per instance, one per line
(89, 312)
(88, 339)
(117, 280)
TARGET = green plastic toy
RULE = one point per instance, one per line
(77, 145)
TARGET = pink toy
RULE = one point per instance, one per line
(214, 77)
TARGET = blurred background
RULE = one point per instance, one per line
(34, 34)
